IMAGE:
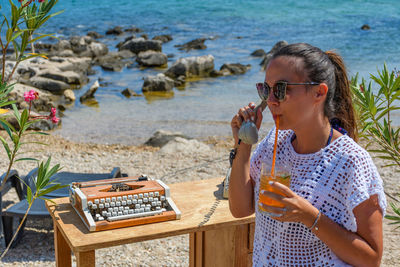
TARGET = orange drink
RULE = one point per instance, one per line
(280, 174)
(282, 177)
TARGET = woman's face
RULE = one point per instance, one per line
(298, 108)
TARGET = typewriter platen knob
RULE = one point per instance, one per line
(143, 177)
(71, 196)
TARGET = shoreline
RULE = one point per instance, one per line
(37, 249)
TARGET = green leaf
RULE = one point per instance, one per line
(6, 147)
(7, 103)
(16, 35)
(48, 199)
(50, 189)
(16, 112)
(24, 159)
(29, 195)
(14, 14)
(34, 142)
(41, 133)
(40, 37)
(9, 33)
(7, 126)
(390, 217)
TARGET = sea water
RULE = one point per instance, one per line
(237, 28)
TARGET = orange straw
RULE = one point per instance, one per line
(275, 145)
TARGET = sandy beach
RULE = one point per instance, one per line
(37, 249)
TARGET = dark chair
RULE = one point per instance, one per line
(38, 209)
(12, 181)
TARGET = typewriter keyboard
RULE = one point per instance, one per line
(127, 206)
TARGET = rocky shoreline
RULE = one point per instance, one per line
(179, 159)
(69, 63)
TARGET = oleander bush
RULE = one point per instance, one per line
(375, 103)
(18, 31)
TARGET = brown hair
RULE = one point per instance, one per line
(327, 67)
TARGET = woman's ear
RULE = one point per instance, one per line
(321, 91)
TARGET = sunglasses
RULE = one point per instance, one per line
(279, 89)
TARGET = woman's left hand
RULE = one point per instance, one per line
(296, 208)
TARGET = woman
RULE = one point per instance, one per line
(333, 210)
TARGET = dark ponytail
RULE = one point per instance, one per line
(342, 100)
(327, 67)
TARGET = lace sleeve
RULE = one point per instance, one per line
(364, 183)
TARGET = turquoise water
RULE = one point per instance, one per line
(206, 107)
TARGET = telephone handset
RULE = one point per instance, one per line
(248, 134)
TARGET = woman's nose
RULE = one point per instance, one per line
(272, 100)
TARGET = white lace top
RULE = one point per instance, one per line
(335, 180)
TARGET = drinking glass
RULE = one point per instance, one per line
(281, 175)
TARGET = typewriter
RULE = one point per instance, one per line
(122, 202)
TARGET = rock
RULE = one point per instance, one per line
(216, 73)
(151, 59)
(365, 27)
(258, 53)
(128, 93)
(125, 54)
(56, 87)
(181, 145)
(180, 81)
(194, 44)
(133, 29)
(44, 103)
(69, 95)
(98, 49)
(94, 35)
(26, 71)
(161, 138)
(268, 56)
(68, 77)
(111, 62)
(140, 45)
(160, 82)
(126, 40)
(75, 64)
(79, 45)
(42, 125)
(90, 93)
(115, 31)
(165, 38)
(192, 67)
(62, 45)
(234, 69)
(65, 53)
(41, 47)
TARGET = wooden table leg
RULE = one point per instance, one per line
(62, 250)
(224, 247)
(196, 249)
(85, 259)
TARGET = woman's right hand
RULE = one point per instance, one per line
(245, 114)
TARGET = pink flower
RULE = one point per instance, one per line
(52, 116)
(31, 95)
(55, 120)
(41, 1)
(53, 112)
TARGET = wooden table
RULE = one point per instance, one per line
(216, 237)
